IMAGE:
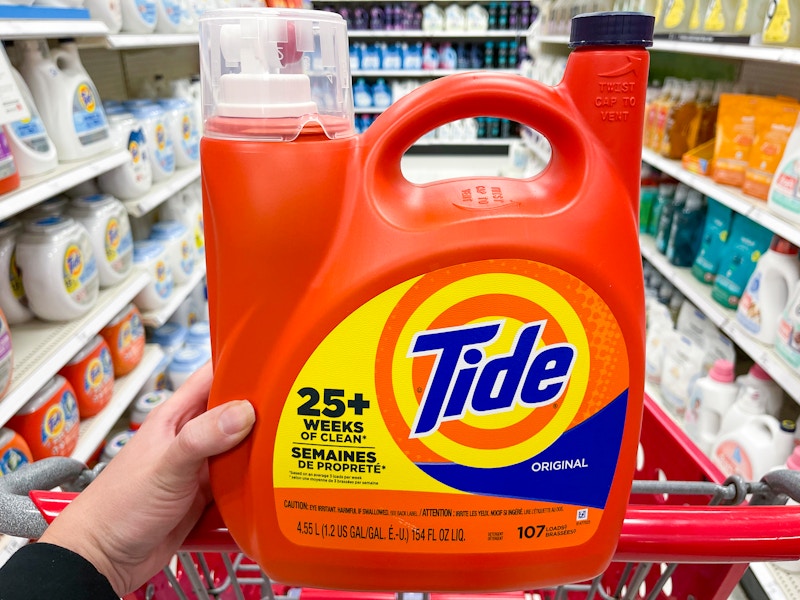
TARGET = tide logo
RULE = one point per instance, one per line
(486, 364)
(186, 127)
(73, 261)
(134, 151)
(161, 136)
(464, 379)
(94, 375)
(54, 422)
(86, 98)
(112, 238)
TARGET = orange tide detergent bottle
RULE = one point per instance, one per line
(448, 378)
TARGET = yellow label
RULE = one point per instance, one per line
(741, 16)
(674, 14)
(15, 277)
(694, 20)
(456, 412)
(73, 267)
(779, 24)
(715, 20)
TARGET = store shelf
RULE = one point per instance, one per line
(480, 142)
(395, 73)
(67, 175)
(776, 583)
(732, 197)
(369, 111)
(11, 29)
(94, 430)
(417, 34)
(161, 191)
(537, 144)
(129, 41)
(41, 348)
(738, 51)
(156, 318)
(700, 295)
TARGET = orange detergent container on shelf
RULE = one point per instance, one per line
(448, 378)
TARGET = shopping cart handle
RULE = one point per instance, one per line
(19, 516)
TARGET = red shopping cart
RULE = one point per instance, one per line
(688, 534)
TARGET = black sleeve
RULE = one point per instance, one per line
(48, 572)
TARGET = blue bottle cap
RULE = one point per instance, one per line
(612, 29)
(169, 335)
(145, 250)
(167, 230)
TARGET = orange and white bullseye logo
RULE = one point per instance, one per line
(487, 362)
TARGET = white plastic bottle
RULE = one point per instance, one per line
(160, 149)
(170, 16)
(758, 378)
(139, 16)
(784, 191)
(66, 98)
(712, 397)
(31, 146)
(182, 129)
(135, 177)
(13, 301)
(755, 447)
(748, 405)
(787, 342)
(107, 11)
(767, 291)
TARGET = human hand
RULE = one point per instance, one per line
(132, 518)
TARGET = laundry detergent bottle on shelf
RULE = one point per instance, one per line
(66, 98)
(448, 389)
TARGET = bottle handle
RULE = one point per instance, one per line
(541, 107)
(62, 58)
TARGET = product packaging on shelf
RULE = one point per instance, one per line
(787, 342)
(113, 446)
(747, 242)
(91, 374)
(756, 377)
(711, 398)
(33, 150)
(784, 192)
(106, 221)
(144, 405)
(6, 356)
(152, 258)
(66, 98)
(767, 291)
(685, 234)
(59, 269)
(441, 319)
(49, 420)
(107, 11)
(124, 335)
(14, 451)
(753, 447)
(185, 362)
(134, 178)
(9, 175)
(139, 16)
(712, 243)
(13, 301)
(180, 246)
(736, 129)
(158, 142)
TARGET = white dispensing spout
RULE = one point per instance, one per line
(267, 57)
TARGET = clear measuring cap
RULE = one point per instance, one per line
(267, 73)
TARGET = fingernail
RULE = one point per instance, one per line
(238, 417)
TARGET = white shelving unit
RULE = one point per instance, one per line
(67, 175)
(161, 191)
(771, 54)
(132, 41)
(95, 429)
(50, 28)
(418, 34)
(479, 142)
(156, 318)
(41, 348)
(732, 197)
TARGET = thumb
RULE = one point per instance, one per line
(210, 433)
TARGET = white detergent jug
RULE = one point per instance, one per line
(767, 291)
(33, 150)
(755, 447)
(712, 397)
(758, 378)
(748, 405)
(107, 11)
(66, 98)
(787, 343)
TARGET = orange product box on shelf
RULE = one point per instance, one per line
(736, 130)
(124, 335)
(49, 421)
(91, 374)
